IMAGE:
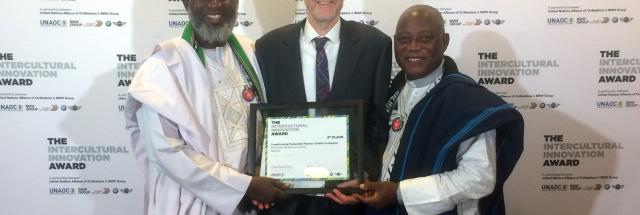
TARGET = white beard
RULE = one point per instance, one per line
(213, 35)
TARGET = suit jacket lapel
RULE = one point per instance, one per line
(347, 60)
(293, 75)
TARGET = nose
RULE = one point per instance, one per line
(414, 45)
(215, 3)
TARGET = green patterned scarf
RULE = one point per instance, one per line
(189, 36)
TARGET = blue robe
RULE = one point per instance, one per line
(455, 110)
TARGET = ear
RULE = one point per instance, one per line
(445, 42)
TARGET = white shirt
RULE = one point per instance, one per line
(473, 179)
(230, 108)
(308, 56)
(412, 93)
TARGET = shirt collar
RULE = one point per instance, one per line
(428, 79)
(308, 33)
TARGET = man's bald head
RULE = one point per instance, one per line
(423, 12)
(420, 41)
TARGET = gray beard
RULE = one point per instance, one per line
(213, 35)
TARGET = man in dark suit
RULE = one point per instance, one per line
(326, 58)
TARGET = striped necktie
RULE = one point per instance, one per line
(323, 88)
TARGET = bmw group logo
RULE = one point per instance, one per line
(614, 20)
(487, 21)
(75, 107)
(498, 21)
(63, 108)
(372, 22)
(246, 23)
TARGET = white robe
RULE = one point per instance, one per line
(187, 172)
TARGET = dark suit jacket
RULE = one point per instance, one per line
(362, 73)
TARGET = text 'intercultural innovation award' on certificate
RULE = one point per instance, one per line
(306, 151)
(312, 147)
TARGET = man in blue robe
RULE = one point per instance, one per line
(452, 143)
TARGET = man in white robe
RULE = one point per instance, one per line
(187, 116)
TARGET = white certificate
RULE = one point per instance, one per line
(306, 151)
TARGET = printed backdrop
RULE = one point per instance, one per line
(570, 66)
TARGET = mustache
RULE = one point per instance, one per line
(229, 16)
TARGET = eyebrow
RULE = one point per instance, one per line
(419, 32)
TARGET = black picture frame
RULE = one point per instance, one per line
(354, 110)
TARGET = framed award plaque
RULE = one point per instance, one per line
(313, 147)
